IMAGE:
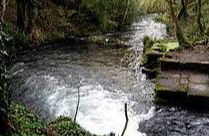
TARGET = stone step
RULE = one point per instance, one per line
(183, 84)
(170, 64)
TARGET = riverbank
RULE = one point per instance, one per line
(66, 20)
(27, 123)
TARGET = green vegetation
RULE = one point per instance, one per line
(52, 20)
(152, 6)
(187, 20)
(25, 122)
(112, 13)
(28, 124)
(69, 127)
(5, 91)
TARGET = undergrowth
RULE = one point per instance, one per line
(28, 124)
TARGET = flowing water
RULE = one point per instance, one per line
(47, 82)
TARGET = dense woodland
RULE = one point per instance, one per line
(27, 24)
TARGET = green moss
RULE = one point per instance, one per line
(158, 48)
(166, 46)
(160, 88)
(183, 88)
(161, 45)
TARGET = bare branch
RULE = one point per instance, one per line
(126, 124)
(77, 107)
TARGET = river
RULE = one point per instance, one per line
(47, 82)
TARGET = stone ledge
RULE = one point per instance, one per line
(169, 63)
(182, 84)
(199, 90)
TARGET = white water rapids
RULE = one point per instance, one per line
(46, 81)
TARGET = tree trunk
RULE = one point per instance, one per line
(183, 12)
(179, 34)
(3, 7)
(32, 14)
(199, 14)
(77, 4)
(21, 15)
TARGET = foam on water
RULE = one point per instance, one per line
(145, 27)
(46, 82)
(100, 111)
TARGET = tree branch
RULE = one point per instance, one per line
(77, 107)
(126, 124)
